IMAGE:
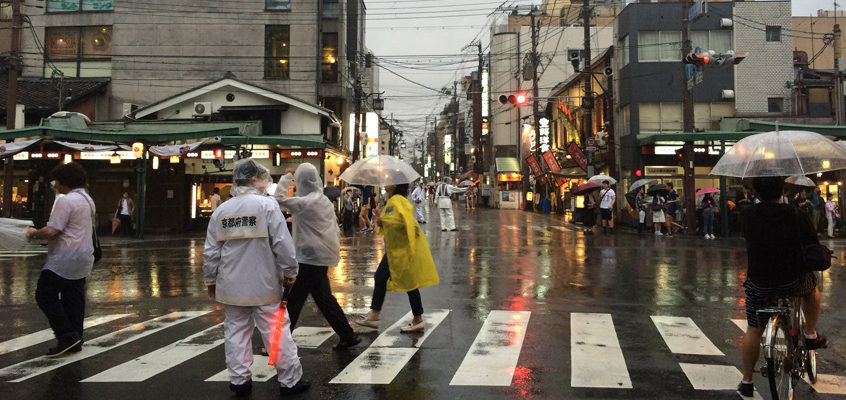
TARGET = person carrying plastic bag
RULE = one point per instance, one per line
(317, 240)
(407, 265)
(249, 257)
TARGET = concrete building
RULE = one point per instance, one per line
(809, 33)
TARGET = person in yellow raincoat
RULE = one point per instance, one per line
(407, 265)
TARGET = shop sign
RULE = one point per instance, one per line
(45, 156)
(577, 154)
(551, 162)
(543, 134)
(663, 171)
(105, 155)
(301, 153)
(22, 156)
(534, 165)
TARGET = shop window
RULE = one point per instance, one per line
(659, 46)
(330, 57)
(277, 5)
(775, 104)
(624, 46)
(79, 5)
(773, 33)
(719, 41)
(331, 9)
(277, 50)
(658, 117)
(81, 51)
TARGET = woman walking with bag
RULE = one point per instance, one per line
(407, 264)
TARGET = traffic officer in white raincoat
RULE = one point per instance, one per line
(445, 190)
(249, 256)
(418, 199)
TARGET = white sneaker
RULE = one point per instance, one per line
(658, 233)
(412, 327)
(712, 236)
(707, 236)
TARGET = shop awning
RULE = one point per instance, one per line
(507, 164)
(655, 137)
(304, 141)
(118, 136)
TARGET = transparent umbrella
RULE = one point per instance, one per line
(800, 180)
(382, 170)
(641, 183)
(598, 179)
(781, 153)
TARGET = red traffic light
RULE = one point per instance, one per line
(702, 58)
(520, 99)
(218, 153)
(517, 99)
(638, 173)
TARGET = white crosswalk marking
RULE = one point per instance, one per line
(712, 377)
(493, 356)
(741, 323)
(158, 361)
(28, 369)
(311, 337)
(830, 384)
(683, 336)
(47, 334)
(596, 357)
(380, 363)
(260, 371)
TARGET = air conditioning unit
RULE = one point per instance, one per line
(129, 108)
(728, 94)
(203, 108)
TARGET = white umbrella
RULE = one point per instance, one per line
(800, 180)
(382, 170)
(598, 179)
(465, 183)
(13, 233)
(640, 183)
(781, 153)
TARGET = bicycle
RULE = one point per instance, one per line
(784, 346)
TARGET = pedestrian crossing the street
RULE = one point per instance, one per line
(597, 359)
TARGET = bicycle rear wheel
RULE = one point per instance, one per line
(779, 365)
(809, 357)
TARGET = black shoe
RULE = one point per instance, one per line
(242, 390)
(746, 389)
(422, 222)
(300, 387)
(62, 347)
(454, 229)
(77, 348)
(819, 343)
(443, 230)
(345, 344)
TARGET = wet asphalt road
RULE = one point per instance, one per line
(499, 260)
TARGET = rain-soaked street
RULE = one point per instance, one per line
(527, 307)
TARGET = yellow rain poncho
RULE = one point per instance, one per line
(409, 257)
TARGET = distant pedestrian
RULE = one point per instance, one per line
(364, 212)
(445, 190)
(125, 211)
(348, 210)
(60, 292)
(607, 199)
(816, 206)
(671, 207)
(249, 258)
(418, 199)
(18, 207)
(641, 210)
(708, 206)
(470, 198)
(317, 241)
(545, 205)
(591, 211)
(830, 215)
(658, 217)
(407, 265)
(215, 199)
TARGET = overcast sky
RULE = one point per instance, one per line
(425, 42)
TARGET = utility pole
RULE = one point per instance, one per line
(838, 78)
(456, 152)
(535, 92)
(356, 121)
(476, 91)
(11, 103)
(688, 126)
(587, 101)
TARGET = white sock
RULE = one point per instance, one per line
(745, 383)
(812, 337)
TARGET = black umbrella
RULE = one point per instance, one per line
(332, 193)
(660, 189)
(631, 199)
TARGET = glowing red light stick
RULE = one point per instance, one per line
(276, 335)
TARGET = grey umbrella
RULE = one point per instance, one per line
(641, 183)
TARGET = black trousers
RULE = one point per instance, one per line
(383, 273)
(63, 302)
(125, 224)
(314, 280)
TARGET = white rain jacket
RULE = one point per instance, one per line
(315, 226)
(418, 196)
(445, 190)
(248, 251)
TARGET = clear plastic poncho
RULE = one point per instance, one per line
(315, 227)
(243, 173)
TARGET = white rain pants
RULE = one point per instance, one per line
(238, 331)
(447, 219)
(418, 211)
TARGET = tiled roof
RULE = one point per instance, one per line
(43, 94)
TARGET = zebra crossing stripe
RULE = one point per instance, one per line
(260, 371)
(712, 377)
(683, 336)
(741, 323)
(596, 357)
(311, 337)
(47, 334)
(392, 337)
(830, 384)
(31, 368)
(492, 358)
(158, 361)
(381, 362)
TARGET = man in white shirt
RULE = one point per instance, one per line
(249, 257)
(418, 199)
(607, 198)
(445, 190)
(124, 212)
(70, 256)
(215, 199)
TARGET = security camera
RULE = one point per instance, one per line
(608, 71)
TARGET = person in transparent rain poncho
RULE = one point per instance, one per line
(249, 257)
(317, 239)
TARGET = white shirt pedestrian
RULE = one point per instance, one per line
(445, 190)
(418, 200)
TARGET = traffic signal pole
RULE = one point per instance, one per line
(11, 103)
(535, 95)
(688, 126)
(587, 101)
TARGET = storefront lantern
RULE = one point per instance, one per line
(138, 150)
(174, 159)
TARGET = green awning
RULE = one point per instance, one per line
(303, 141)
(827, 130)
(117, 136)
(654, 137)
(507, 164)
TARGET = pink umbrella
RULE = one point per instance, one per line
(585, 187)
(707, 190)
